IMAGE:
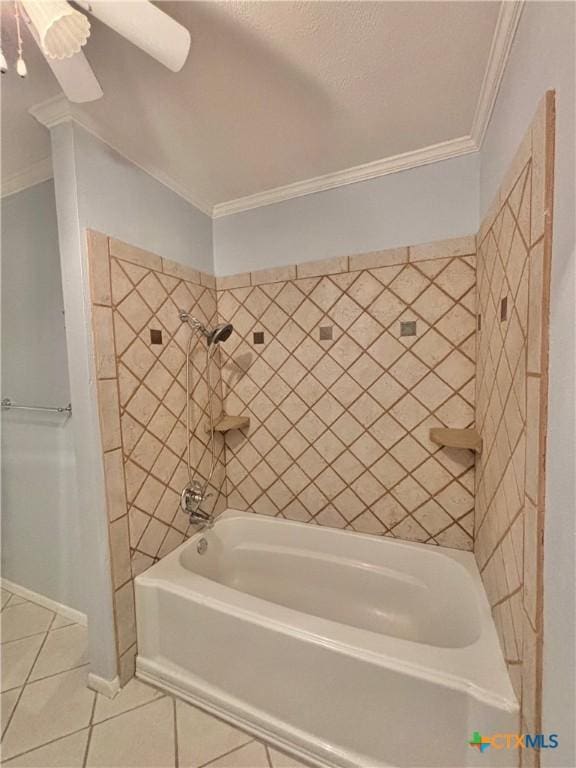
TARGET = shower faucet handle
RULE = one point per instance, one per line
(191, 498)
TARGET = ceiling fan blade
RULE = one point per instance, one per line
(146, 26)
(76, 78)
(74, 74)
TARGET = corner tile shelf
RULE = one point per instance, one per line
(225, 423)
(457, 438)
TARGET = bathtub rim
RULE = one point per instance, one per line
(431, 663)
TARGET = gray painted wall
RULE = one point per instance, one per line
(119, 199)
(40, 516)
(85, 423)
(543, 57)
(432, 202)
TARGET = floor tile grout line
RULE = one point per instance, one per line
(24, 684)
(176, 743)
(225, 754)
(24, 601)
(90, 728)
(267, 750)
(132, 709)
(26, 637)
(46, 744)
(55, 674)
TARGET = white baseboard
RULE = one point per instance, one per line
(46, 602)
(108, 688)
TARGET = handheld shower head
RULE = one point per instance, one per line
(220, 333)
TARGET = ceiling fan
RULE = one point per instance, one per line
(61, 30)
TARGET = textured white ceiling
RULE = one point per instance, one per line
(274, 92)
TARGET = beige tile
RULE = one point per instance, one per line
(535, 318)
(135, 255)
(120, 551)
(62, 753)
(134, 479)
(455, 538)
(208, 280)
(152, 291)
(104, 342)
(282, 760)
(127, 665)
(202, 737)
(49, 709)
(134, 694)
(432, 517)
(64, 649)
(152, 538)
(410, 529)
(322, 267)
(441, 249)
(252, 755)
(109, 414)
(8, 701)
(531, 550)
(61, 621)
(276, 275)
(135, 311)
(123, 334)
(376, 259)
(23, 620)
(115, 489)
(533, 458)
(143, 738)
(233, 281)
(125, 616)
(456, 279)
(149, 495)
(183, 271)
(143, 405)
(173, 539)
(147, 450)
(121, 284)
(17, 659)
(529, 674)
(97, 245)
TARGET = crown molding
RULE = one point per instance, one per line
(431, 154)
(59, 110)
(29, 177)
(502, 39)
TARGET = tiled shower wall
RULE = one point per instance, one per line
(512, 360)
(140, 350)
(341, 402)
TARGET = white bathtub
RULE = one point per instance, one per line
(346, 649)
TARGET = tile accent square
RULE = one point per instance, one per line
(408, 328)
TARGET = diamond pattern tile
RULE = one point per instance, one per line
(508, 414)
(151, 380)
(346, 420)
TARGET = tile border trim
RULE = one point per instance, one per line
(356, 262)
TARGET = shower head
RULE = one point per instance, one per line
(220, 333)
(213, 335)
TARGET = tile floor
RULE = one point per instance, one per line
(51, 720)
